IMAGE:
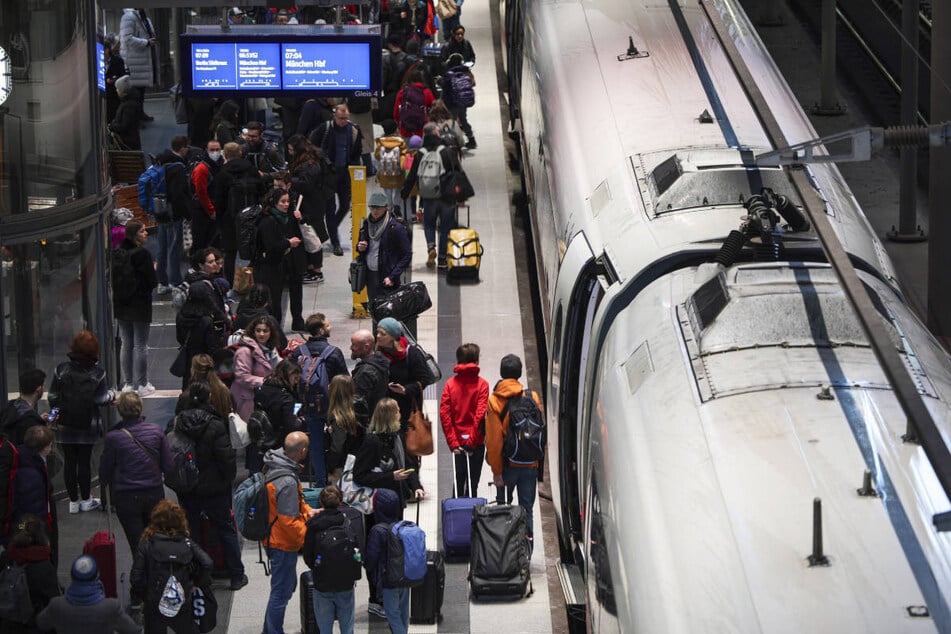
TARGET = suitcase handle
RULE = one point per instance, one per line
(455, 479)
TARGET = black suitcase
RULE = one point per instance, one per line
(308, 618)
(500, 552)
(425, 603)
(404, 303)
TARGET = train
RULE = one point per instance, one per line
(725, 448)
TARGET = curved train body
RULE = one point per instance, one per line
(696, 411)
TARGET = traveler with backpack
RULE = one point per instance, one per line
(79, 387)
(331, 551)
(371, 374)
(458, 91)
(432, 170)
(255, 357)
(385, 245)
(133, 280)
(210, 494)
(412, 103)
(264, 155)
(458, 44)
(85, 609)
(281, 259)
(175, 186)
(381, 462)
(409, 373)
(287, 515)
(462, 408)
(201, 326)
(237, 186)
(135, 455)
(390, 153)
(408, 19)
(319, 361)
(33, 487)
(345, 431)
(510, 400)
(20, 414)
(446, 126)
(167, 566)
(278, 398)
(28, 558)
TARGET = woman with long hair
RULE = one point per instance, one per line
(278, 398)
(447, 127)
(308, 180)
(29, 547)
(282, 260)
(203, 370)
(346, 433)
(224, 125)
(381, 459)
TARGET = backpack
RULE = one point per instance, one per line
(390, 174)
(125, 282)
(260, 429)
(153, 194)
(429, 173)
(244, 192)
(314, 377)
(180, 293)
(184, 475)
(463, 93)
(180, 191)
(252, 507)
(76, 398)
(15, 603)
(337, 562)
(524, 443)
(169, 575)
(448, 136)
(405, 555)
(249, 218)
(413, 108)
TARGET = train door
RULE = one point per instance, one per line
(577, 293)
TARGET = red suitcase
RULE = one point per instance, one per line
(102, 548)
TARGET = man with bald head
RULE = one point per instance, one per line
(370, 376)
(288, 515)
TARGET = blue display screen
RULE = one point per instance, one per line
(101, 66)
(236, 66)
(309, 66)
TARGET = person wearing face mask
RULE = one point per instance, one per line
(204, 215)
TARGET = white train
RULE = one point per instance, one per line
(698, 402)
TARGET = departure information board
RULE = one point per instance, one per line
(271, 65)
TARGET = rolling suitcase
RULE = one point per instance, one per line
(500, 552)
(463, 252)
(102, 548)
(457, 520)
(425, 603)
(308, 618)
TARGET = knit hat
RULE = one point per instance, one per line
(391, 326)
(124, 85)
(389, 127)
(84, 568)
(377, 199)
(415, 142)
(511, 367)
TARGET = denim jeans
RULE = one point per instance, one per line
(169, 253)
(327, 603)
(524, 479)
(283, 585)
(435, 209)
(337, 212)
(134, 336)
(396, 606)
(315, 429)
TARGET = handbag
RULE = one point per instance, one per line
(243, 280)
(354, 495)
(239, 431)
(205, 608)
(358, 275)
(405, 302)
(462, 186)
(312, 243)
(180, 365)
(419, 434)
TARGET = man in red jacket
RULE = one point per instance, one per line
(462, 413)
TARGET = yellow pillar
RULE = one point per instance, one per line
(358, 211)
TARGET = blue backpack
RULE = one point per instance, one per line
(153, 197)
(314, 377)
(405, 555)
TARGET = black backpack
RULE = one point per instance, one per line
(249, 219)
(169, 557)
(125, 282)
(337, 564)
(15, 603)
(524, 442)
(260, 430)
(184, 475)
(76, 398)
(244, 192)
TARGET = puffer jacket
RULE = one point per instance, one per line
(287, 510)
(251, 367)
(386, 510)
(69, 369)
(370, 378)
(278, 403)
(134, 38)
(465, 398)
(215, 455)
(127, 465)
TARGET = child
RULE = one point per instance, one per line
(409, 207)
(390, 152)
(465, 398)
(390, 603)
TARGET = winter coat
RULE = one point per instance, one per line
(386, 510)
(139, 306)
(376, 461)
(412, 373)
(103, 396)
(200, 334)
(127, 120)
(417, 14)
(145, 578)
(9, 461)
(115, 68)
(33, 492)
(450, 162)
(266, 157)
(324, 137)
(213, 451)
(18, 416)
(463, 47)
(105, 616)
(370, 378)
(134, 38)
(251, 367)
(395, 252)
(341, 445)
(325, 580)
(496, 427)
(232, 171)
(129, 466)
(307, 181)
(287, 510)
(40, 579)
(276, 254)
(278, 402)
(203, 176)
(313, 114)
(465, 398)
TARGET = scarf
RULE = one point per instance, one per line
(85, 592)
(280, 217)
(399, 352)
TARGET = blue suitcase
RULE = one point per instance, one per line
(457, 521)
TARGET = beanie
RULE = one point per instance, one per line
(415, 142)
(511, 367)
(84, 568)
(391, 326)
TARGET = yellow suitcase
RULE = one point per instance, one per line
(463, 252)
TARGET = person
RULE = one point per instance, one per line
(394, 71)
(203, 370)
(137, 36)
(170, 230)
(450, 13)
(125, 123)
(206, 285)
(446, 126)
(85, 609)
(309, 180)
(346, 431)
(390, 151)
(115, 68)
(458, 73)
(390, 603)
(505, 475)
(239, 174)
(333, 589)
(204, 214)
(134, 315)
(458, 44)
(408, 19)
(263, 154)
(80, 425)
(440, 208)
(341, 141)
(254, 361)
(409, 374)
(278, 397)
(412, 103)
(31, 549)
(201, 325)
(371, 374)
(32, 486)
(385, 245)
(288, 514)
(135, 455)
(315, 404)
(21, 413)
(411, 204)
(462, 408)
(166, 550)
(315, 112)
(214, 456)
(224, 125)
(381, 461)
(282, 258)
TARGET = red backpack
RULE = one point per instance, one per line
(413, 108)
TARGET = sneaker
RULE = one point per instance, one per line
(89, 505)
(74, 507)
(376, 609)
(338, 251)
(163, 289)
(471, 144)
(238, 582)
(128, 388)
(431, 259)
(313, 277)
(442, 265)
(318, 277)
(146, 390)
